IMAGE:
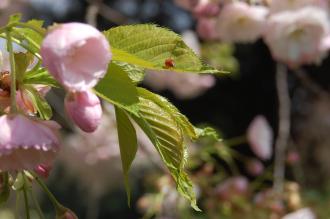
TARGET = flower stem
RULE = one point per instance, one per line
(283, 134)
(51, 197)
(36, 203)
(13, 106)
(26, 201)
(235, 141)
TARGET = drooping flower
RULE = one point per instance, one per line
(27, 142)
(76, 54)
(298, 37)
(84, 108)
(240, 22)
(260, 137)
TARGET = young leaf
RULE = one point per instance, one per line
(117, 88)
(31, 35)
(15, 18)
(127, 143)
(149, 46)
(135, 73)
(39, 102)
(40, 76)
(181, 119)
(167, 136)
(22, 62)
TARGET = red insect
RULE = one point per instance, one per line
(169, 63)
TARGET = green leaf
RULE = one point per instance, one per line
(39, 102)
(135, 73)
(15, 18)
(128, 145)
(22, 62)
(117, 88)
(149, 46)
(40, 76)
(30, 34)
(167, 135)
(181, 119)
(207, 132)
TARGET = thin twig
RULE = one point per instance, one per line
(283, 127)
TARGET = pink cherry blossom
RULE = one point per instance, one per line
(76, 54)
(284, 5)
(240, 22)
(298, 37)
(26, 142)
(84, 108)
(260, 137)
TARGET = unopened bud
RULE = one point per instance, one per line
(65, 213)
(43, 170)
(84, 108)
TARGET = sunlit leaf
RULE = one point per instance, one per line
(149, 46)
(117, 88)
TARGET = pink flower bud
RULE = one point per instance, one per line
(84, 108)
(260, 137)
(43, 170)
(292, 157)
(254, 167)
(76, 54)
(232, 187)
(65, 213)
(27, 142)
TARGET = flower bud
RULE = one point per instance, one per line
(76, 54)
(43, 170)
(254, 167)
(84, 108)
(232, 187)
(65, 213)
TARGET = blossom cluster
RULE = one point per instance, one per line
(77, 61)
(296, 31)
